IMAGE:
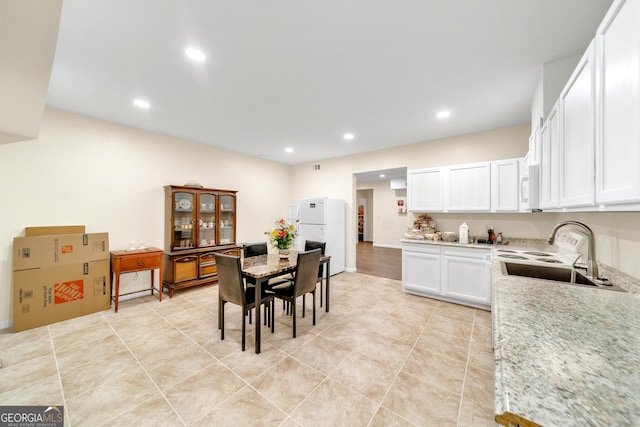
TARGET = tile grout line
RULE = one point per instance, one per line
(55, 359)
(145, 371)
(401, 366)
(466, 367)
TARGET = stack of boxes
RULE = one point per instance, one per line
(59, 273)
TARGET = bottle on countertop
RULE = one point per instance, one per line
(499, 239)
(463, 233)
(492, 236)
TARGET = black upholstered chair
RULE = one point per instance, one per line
(306, 277)
(231, 289)
(254, 249)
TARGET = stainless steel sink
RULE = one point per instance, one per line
(557, 274)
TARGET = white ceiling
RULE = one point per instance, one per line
(300, 73)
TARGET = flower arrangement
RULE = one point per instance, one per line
(282, 235)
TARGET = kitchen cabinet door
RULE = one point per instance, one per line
(549, 161)
(618, 105)
(577, 141)
(466, 274)
(469, 187)
(504, 185)
(421, 269)
(425, 190)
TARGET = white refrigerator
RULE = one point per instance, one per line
(323, 220)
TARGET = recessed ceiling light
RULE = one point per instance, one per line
(381, 175)
(348, 136)
(443, 114)
(195, 54)
(289, 149)
(141, 103)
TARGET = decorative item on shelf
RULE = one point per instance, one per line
(402, 207)
(424, 221)
(193, 183)
(281, 237)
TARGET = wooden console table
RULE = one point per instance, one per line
(133, 261)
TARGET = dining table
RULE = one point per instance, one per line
(263, 268)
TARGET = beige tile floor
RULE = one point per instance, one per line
(380, 357)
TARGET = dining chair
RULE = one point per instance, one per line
(254, 249)
(310, 245)
(231, 289)
(304, 282)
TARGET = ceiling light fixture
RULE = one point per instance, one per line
(195, 54)
(443, 114)
(348, 136)
(289, 149)
(141, 103)
(381, 175)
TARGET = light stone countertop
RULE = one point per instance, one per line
(564, 354)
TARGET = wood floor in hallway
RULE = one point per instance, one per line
(378, 261)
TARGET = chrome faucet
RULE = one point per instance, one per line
(592, 266)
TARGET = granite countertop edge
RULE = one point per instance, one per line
(566, 354)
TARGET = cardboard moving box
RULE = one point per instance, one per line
(56, 229)
(51, 294)
(61, 249)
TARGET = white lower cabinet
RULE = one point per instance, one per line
(420, 268)
(466, 274)
(457, 274)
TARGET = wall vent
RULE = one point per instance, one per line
(316, 167)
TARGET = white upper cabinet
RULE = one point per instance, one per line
(469, 187)
(505, 185)
(425, 190)
(577, 142)
(550, 161)
(618, 105)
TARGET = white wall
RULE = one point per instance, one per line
(387, 225)
(617, 233)
(111, 177)
(336, 176)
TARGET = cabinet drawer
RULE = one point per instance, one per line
(141, 263)
(185, 268)
(208, 265)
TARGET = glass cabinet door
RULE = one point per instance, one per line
(207, 220)
(183, 220)
(227, 219)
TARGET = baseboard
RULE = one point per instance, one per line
(350, 270)
(388, 246)
(5, 324)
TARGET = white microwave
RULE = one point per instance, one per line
(530, 188)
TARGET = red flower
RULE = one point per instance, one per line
(281, 233)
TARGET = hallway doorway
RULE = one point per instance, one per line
(378, 261)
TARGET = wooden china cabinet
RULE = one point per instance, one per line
(199, 222)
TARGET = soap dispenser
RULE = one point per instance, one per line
(463, 233)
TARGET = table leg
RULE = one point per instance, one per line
(117, 291)
(326, 293)
(220, 312)
(258, 306)
(152, 288)
(160, 283)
